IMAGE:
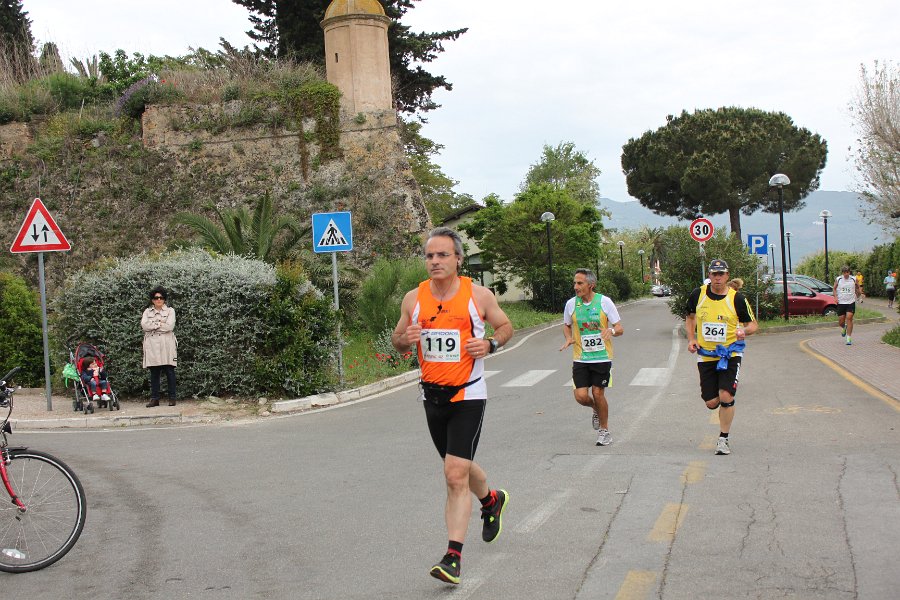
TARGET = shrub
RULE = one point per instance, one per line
(21, 340)
(235, 317)
(387, 354)
(135, 99)
(300, 347)
(68, 90)
(382, 292)
(619, 288)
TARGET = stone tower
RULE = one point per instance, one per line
(356, 55)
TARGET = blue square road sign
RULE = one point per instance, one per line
(332, 232)
(758, 244)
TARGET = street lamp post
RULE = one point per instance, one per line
(641, 254)
(787, 235)
(549, 217)
(825, 214)
(621, 255)
(772, 254)
(780, 180)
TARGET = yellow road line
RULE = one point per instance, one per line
(866, 387)
(714, 417)
(709, 442)
(667, 524)
(694, 472)
(637, 585)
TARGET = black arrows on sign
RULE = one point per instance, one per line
(36, 235)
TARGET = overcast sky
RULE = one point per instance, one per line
(593, 72)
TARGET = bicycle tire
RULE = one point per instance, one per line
(55, 515)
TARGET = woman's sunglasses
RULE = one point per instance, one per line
(158, 298)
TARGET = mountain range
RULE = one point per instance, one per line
(848, 229)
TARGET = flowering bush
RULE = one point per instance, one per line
(387, 354)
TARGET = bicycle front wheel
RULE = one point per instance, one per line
(54, 516)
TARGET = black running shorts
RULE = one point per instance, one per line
(713, 380)
(843, 309)
(596, 374)
(455, 427)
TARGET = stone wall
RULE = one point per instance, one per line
(372, 178)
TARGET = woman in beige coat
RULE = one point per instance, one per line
(160, 345)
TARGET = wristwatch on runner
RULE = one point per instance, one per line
(494, 345)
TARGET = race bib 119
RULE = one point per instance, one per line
(440, 345)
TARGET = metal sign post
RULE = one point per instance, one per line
(333, 232)
(40, 233)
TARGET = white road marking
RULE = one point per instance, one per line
(529, 378)
(651, 376)
(490, 373)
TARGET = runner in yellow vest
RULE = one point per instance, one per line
(718, 319)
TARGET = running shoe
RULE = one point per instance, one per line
(595, 421)
(604, 438)
(722, 446)
(105, 397)
(493, 517)
(95, 398)
(843, 331)
(448, 569)
(849, 343)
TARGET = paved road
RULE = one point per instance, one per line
(347, 503)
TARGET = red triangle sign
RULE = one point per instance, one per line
(39, 232)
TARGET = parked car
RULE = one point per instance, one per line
(803, 300)
(661, 290)
(811, 282)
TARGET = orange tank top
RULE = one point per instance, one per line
(446, 327)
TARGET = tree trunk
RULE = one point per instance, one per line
(734, 213)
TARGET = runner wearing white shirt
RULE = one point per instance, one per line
(846, 289)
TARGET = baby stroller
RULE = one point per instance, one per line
(82, 396)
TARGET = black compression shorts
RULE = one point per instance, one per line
(455, 427)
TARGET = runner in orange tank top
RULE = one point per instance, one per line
(445, 317)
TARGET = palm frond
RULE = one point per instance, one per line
(210, 235)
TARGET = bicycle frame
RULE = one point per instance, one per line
(12, 493)
(6, 400)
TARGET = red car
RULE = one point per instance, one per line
(803, 300)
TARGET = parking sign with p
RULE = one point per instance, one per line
(758, 244)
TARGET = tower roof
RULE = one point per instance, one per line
(340, 8)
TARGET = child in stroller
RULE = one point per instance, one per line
(86, 368)
(93, 374)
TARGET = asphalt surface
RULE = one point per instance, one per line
(348, 503)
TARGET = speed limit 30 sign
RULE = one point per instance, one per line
(701, 229)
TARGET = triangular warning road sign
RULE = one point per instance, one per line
(39, 232)
(332, 236)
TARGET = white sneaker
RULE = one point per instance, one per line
(604, 438)
(96, 397)
(595, 421)
(105, 397)
(722, 446)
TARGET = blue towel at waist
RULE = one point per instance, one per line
(724, 353)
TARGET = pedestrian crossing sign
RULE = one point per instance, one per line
(332, 232)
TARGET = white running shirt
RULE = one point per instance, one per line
(846, 290)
